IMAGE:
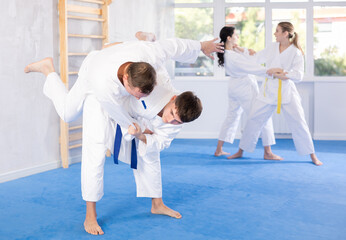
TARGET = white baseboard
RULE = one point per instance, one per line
(35, 169)
(324, 136)
(29, 171)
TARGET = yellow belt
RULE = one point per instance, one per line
(278, 110)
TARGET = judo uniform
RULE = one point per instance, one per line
(100, 118)
(100, 137)
(292, 61)
(148, 172)
(98, 75)
(242, 91)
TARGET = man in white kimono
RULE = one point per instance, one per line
(98, 82)
(117, 72)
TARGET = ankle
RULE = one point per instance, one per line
(156, 203)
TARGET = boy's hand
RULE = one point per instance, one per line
(135, 131)
(147, 131)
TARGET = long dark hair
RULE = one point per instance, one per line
(224, 33)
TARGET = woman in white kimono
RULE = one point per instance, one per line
(242, 90)
(280, 93)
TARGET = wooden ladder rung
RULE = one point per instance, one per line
(75, 136)
(86, 18)
(75, 146)
(92, 1)
(72, 73)
(76, 127)
(77, 54)
(86, 36)
(83, 9)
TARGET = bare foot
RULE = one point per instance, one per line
(91, 226)
(164, 210)
(219, 153)
(315, 160)
(145, 36)
(272, 156)
(238, 154)
(158, 207)
(44, 66)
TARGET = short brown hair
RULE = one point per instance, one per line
(189, 106)
(143, 76)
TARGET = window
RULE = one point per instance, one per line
(249, 21)
(329, 41)
(295, 16)
(320, 25)
(197, 24)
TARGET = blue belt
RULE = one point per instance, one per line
(117, 143)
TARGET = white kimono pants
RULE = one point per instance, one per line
(98, 136)
(294, 115)
(240, 101)
(68, 104)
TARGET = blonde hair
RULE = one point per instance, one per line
(292, 35)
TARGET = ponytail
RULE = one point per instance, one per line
(224, 33)
(220, 56)
(295, 41)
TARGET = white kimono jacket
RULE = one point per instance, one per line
(292, 61)
(98, 75)
(148, 172)
(242, 90)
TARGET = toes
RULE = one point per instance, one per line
(99, 230)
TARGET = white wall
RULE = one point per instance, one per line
(330, 110)
(29, 126)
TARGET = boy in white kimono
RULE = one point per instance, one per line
(167, 111)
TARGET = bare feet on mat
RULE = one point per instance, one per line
(146, 36)
(315, 160)
(219, 153)
(158, 207)
(238, 154)
(272, 156)
(44, 66)
(91, 226)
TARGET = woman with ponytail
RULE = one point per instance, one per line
(242, 91)
(280, 93)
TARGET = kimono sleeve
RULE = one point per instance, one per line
(296, 73)
(159, 140)
(181, 50)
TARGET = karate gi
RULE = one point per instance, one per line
(100, 137)
(292, 61)
(100, 118)
(148, 172)
(98, 75)
(242, 91)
